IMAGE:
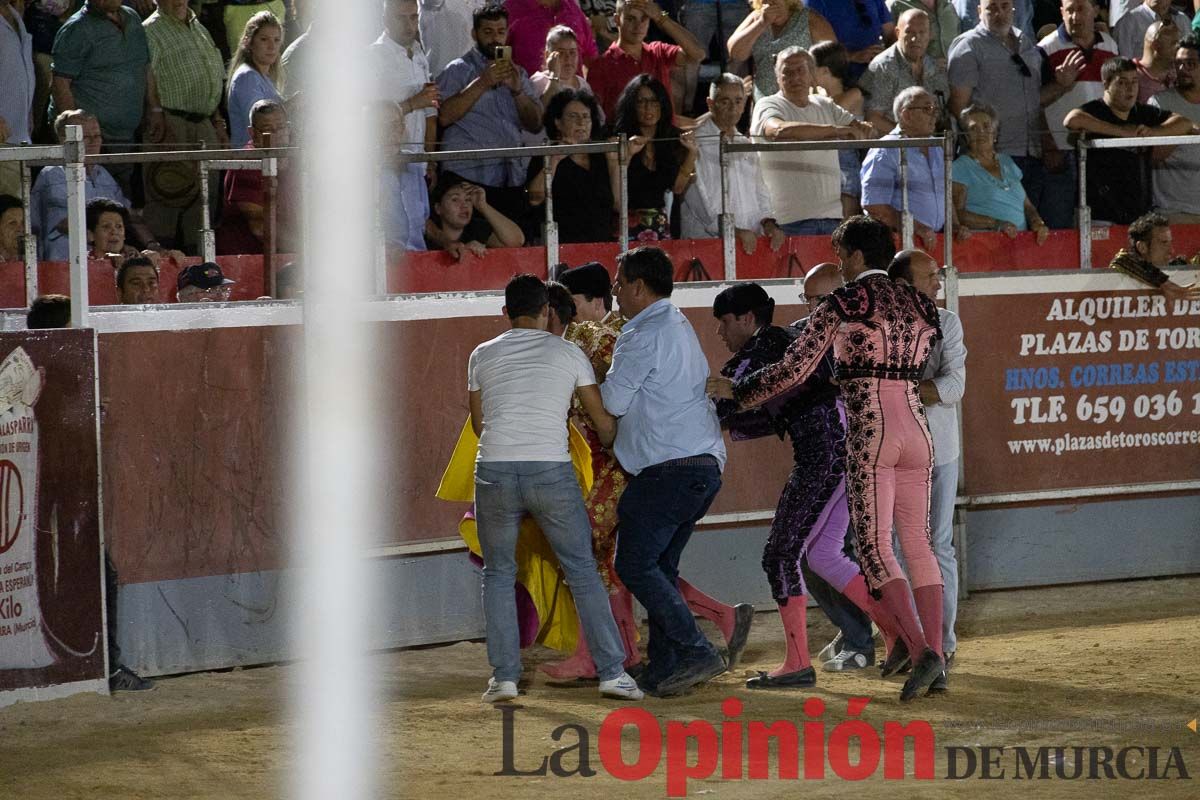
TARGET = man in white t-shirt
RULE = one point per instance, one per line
(520, 386)
(1177, 169)
(805, 187)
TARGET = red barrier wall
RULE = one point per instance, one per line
(438, 272)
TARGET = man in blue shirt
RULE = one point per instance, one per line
(669, 441)
(916, 114)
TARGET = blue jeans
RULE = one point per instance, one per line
(547, 490)
(849, 618)
(657, 513)
(810, 227)
(941, 532)
(701, 21)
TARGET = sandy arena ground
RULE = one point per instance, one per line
(1103, 664)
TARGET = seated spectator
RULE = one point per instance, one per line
(529, 22)
(631, 55)
(1149, 251)
(773, 26)
(833, 81)
(805, 187)
(243, 217)
(560, 67)
(1177, 169)
(749, 200)
(864, 26)
(48, 198)
(487, 101)
(253, 73)
(1156, 65)
(106, 224)
(661, 160)
(944, 24)
(203, 283)
(584, 184)
(49, 311)
(988, 194)
(906, 63)
(137, 282)
(998, 64)
(461, 220)
(1118, 180)
(916, 111)
(1130, 29)
(1074, 54)
(12, 229)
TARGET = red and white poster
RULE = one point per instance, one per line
(51, 594)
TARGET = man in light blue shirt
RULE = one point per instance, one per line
(669, 440)
(916, 113)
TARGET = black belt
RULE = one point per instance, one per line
(705, 460)
(189, 116)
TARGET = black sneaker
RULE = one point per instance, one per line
(689, 675)
(124, 679)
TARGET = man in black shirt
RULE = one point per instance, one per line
(1118, 181)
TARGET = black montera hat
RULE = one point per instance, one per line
(741, 299)
(591, 279)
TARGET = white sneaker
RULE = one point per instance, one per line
(621, 687)
(847, 660)
(830, 650)
(498, 691)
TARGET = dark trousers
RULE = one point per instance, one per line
(657, 513)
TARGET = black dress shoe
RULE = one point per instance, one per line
(941, 684)
(742, 620)
(789, 680)
(927, 669)
(897, 660)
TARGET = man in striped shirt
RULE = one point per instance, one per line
(188, 70)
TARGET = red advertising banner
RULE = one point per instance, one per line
(51, 598)
(1079, 388)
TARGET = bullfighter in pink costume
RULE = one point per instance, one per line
(881, 333)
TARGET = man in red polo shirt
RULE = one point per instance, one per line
(631, 55)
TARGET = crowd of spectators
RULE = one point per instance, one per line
(1015, 81)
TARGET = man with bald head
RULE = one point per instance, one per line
(941, 389)
(906, 63)
(1156, 66)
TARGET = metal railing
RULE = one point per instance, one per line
(906, 218)
(1083, 210)
(264, 159)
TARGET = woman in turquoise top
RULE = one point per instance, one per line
(988, 194)
(772, 26)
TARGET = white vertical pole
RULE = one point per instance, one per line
(77, 226)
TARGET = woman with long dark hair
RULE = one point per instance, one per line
(584, 184)
(661, 157)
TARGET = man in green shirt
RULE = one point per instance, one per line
(189, 74)
(101, 64)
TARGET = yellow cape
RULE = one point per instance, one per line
(537, 567)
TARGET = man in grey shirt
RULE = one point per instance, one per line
(906, 63)
(1177, 169)
(999, 65)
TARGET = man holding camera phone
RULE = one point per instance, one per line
(488, 101)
